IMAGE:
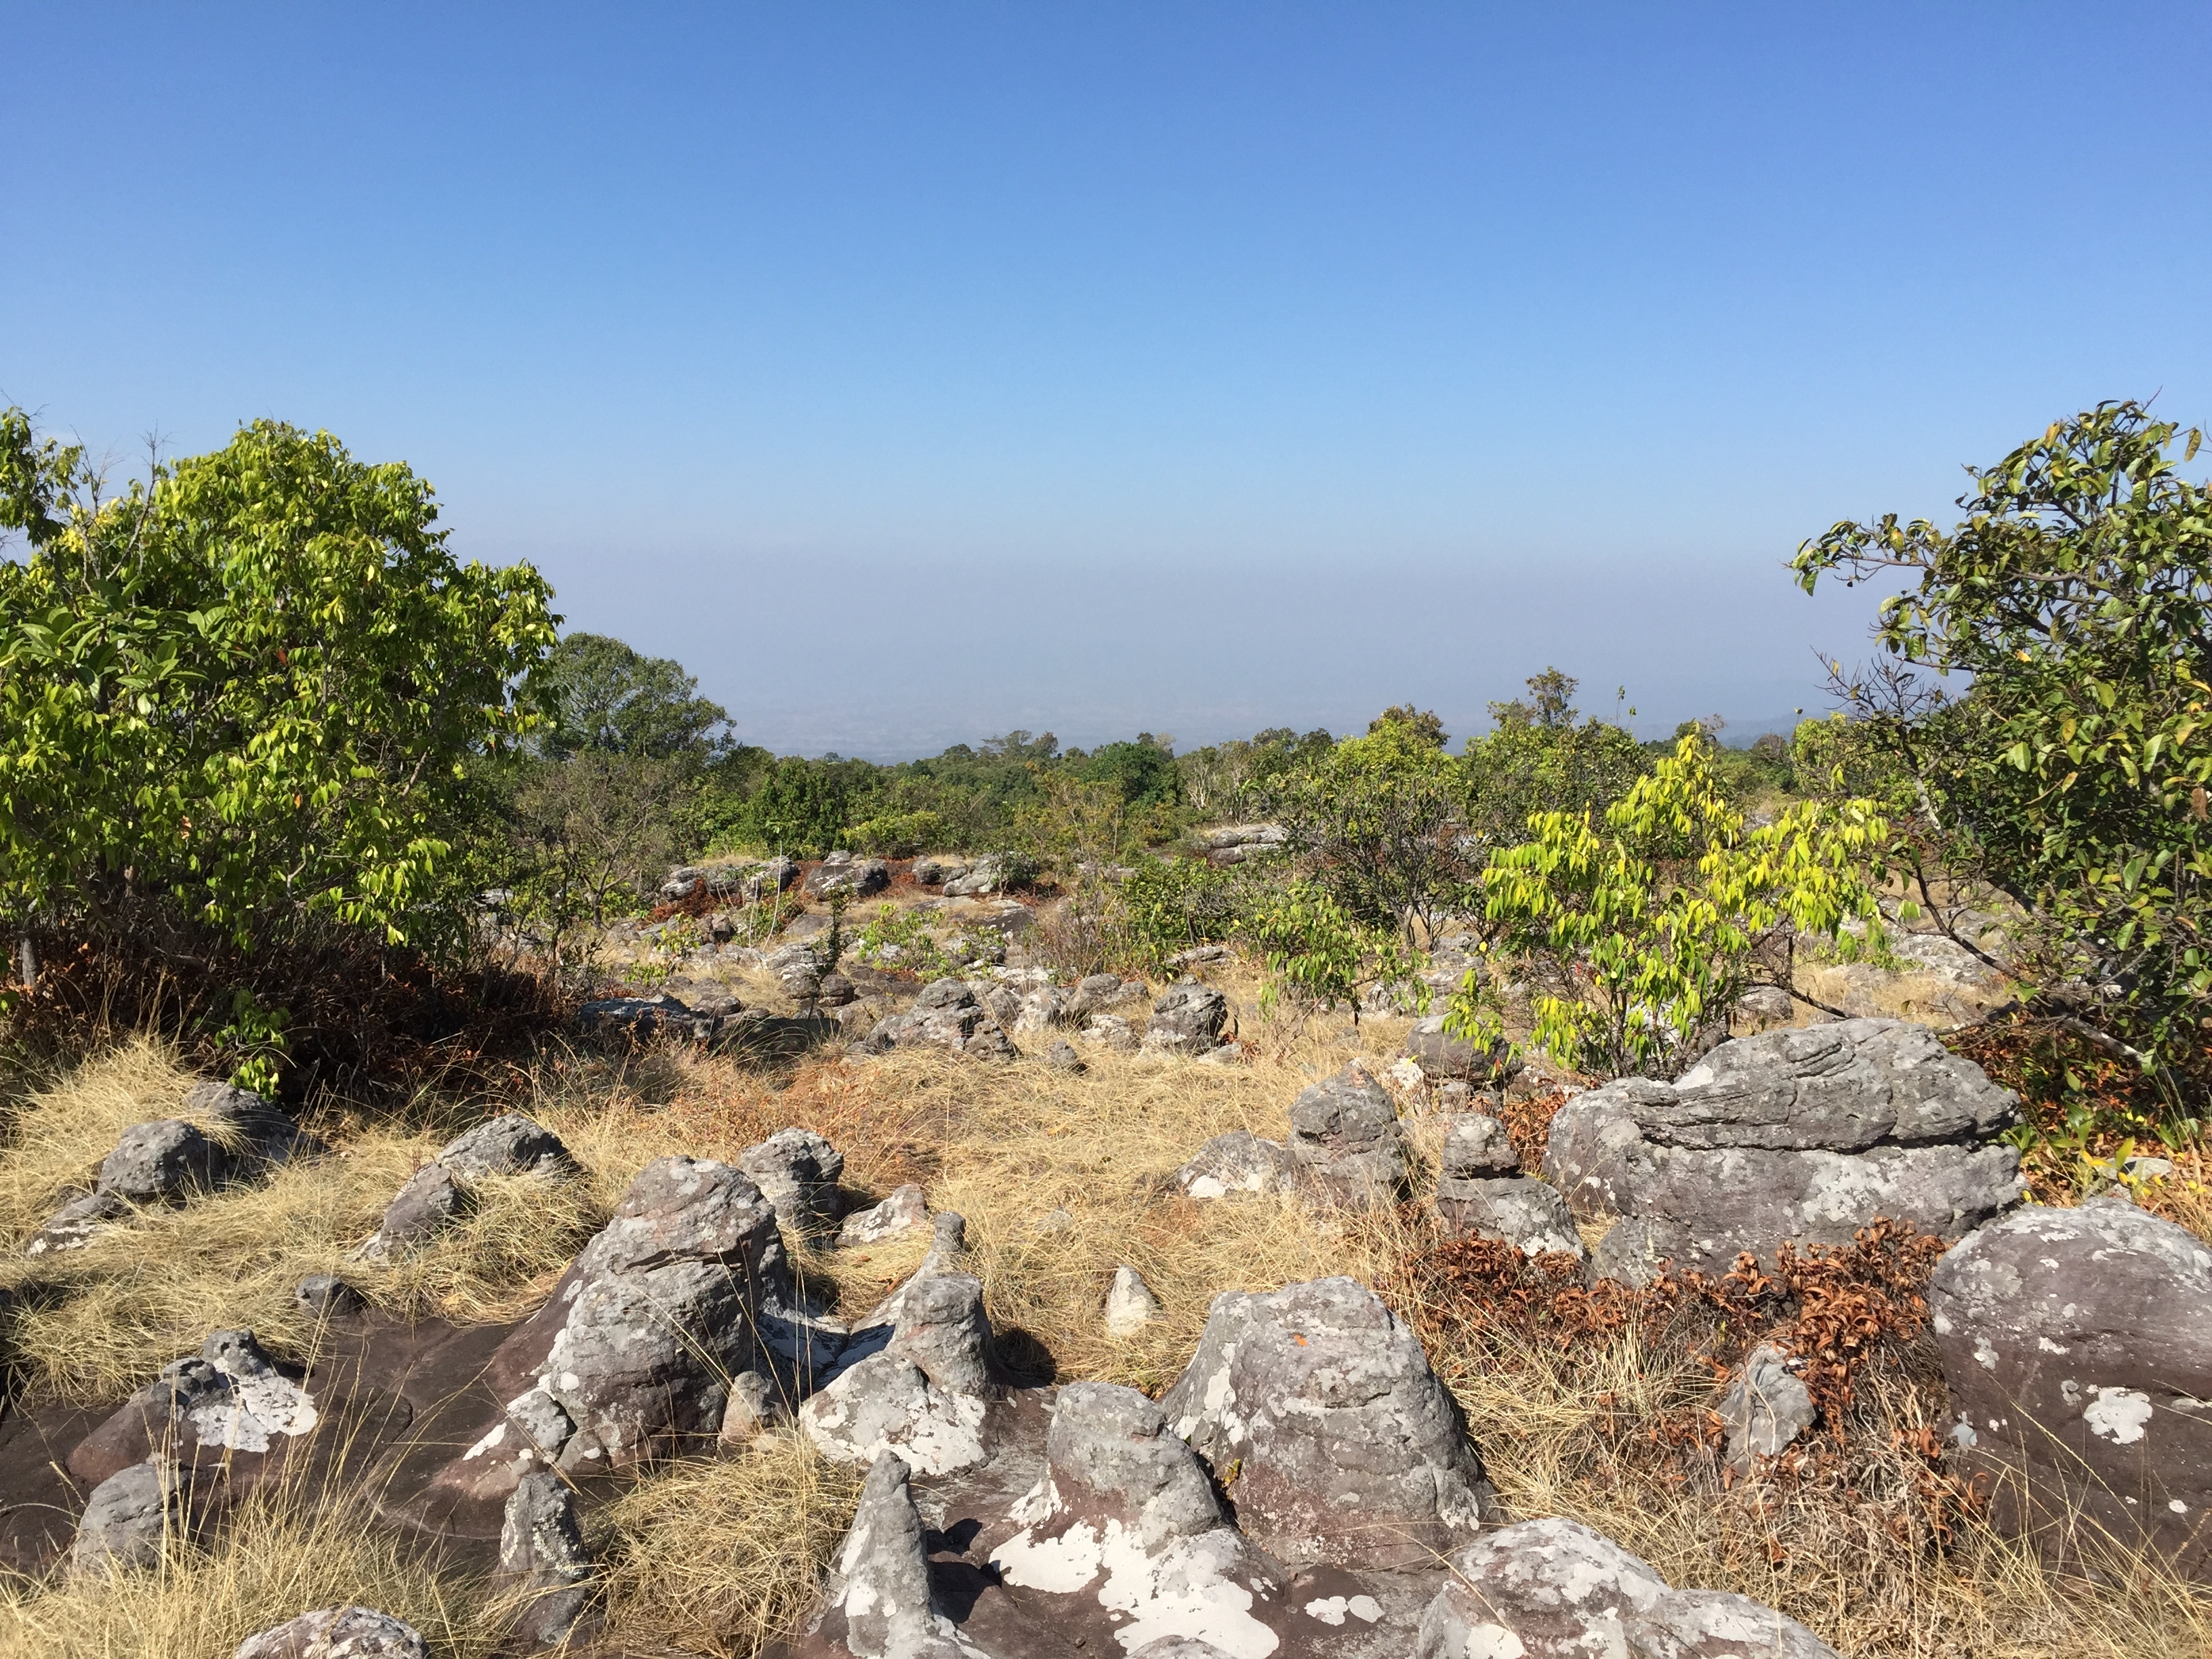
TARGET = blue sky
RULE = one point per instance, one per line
(913, 372)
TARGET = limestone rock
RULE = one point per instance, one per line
(348, 1632)
(943, 1330)
(2078, 1348)
(325, 1295)
(1528, 1214)
(1062, 1057)
(126, 1519)
(879, 1604)
(902, 1212)
(541, 1553)
(1804, 1134)
(1765, 1407)
(841, 873)
(946, 1015)
(756, 1405)
(1130, 1304)
(160, 1163)
(1188, 1019)
(1346, 1139)
(1113, 1032)
(1237, 1162)
(797, 1172)
(430, 1202)
(1477, 1146)
(511, 1144)
(885, 1403)
(1349, 1450)
(1555, 1589)
(1441, 1054)
(229, 1397)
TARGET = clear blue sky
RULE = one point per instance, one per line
(916, 372)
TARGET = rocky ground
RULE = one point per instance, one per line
(996, 1311)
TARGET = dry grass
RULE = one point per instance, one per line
(723, 1558)
(276, 1558)
(1061, 1179)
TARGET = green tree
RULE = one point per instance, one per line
(1539, 758)
(2075, 600)
(1144, 772)
(598, 693)
(799, 809)
(1643, 928)
(250, 686)
(1418, 728)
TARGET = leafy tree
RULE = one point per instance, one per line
(1219, 780)
(2076, 599)
(1551, 703)
(1321, 953)
(799, 808)
(1643, 928)
(590, 837)
(1418, 728)
(1539, 759)
(1168, 905)
(251, 687)
(598, 693)
(1144, 772)
(1377, 821)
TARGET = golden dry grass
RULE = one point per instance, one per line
(1061, 1179)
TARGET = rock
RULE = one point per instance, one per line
(1528, 1214)
(541, 1554)
(1062, 1057)
(160, 1163)
(1224, 838)
(1228, 1054)
(1188, 1019)
(430, 1202)
(935, 871)
(1201, 955)
(983, 876)
(841, 873)
(229, 1397)
(835, 990)
(2077, 1345)
(1114, 1033)
(756, 1405)
(1477, 1146)
(1130, 1304)
(887, 1403)
(1555, 1589)
(902, 1212)
(1349, 1451)
(348, 1632)
(879, 1605)
(1179, 1647)
(511, 1144)
(1057, 1220)
(325, 1295)
(946, 1015)
(78, 1223)
(1766, 1004)
(1765, 1408)
(1946, 958)
(943, 1330)
(1439, 1053)
(1804, 1134)
(1091, 994)
(1042, 1010)
(798, 1172)
(127, 1519)
(1237, 1162)
(1346, 1140)
(640, 1018)
(1001, 1002)
(1126, 1513)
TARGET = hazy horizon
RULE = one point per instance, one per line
(913, 375)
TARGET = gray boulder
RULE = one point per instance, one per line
(227, 1398)
(1528, 1214)
(2077, 1345)
(946, 1015)
(1765, 1408)
(1803, 1134)
(903, 1211)
(943, 1330)
(886, 1403)
(1062, 1057)
(1114, 1033)
(127, 1518)
(1093, 994)
(1477, 1146)
(541, 1555)
(798, 1172)
(1555, 1589)
(430, 1202)
(325, 1295)
(1350, 1451)
(1346, 1140)
(1237, 1162)
(1188, 1019)
(841, 873)
(1439, 1053)
(511, 1144)
(879, 1605)
(348, 1632)
(160, 1163)
(642, 1019)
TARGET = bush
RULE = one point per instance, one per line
(249, 688)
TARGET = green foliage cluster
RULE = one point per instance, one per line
(2074, 604)
(248, 688)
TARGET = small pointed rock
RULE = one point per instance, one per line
(1130, 1304)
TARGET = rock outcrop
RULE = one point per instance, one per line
(924, 1393)
(127, 1518)
(2078, 1348)
(1801, 1134)
(797, 1172)
(946, 1015)
(1188, 1019)
(1482, 1192)
(348, 1632)
(1237, 1162)
(1349, 1450)
(437, 1194)
(1346, 1140)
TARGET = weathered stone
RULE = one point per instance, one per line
(229, 1397)
(1062, 1057)
(903, 1211)
(1188, 1019)
(756, 1404)
(348, 1632)
(1346, 1139)
(943, 1330)
(1765, 1407)
(843, 873)
(640, 1019)
(511, 1144)
(127, 1519)
(1528, 1214)
(1092, 994)
(887, 1403)
(430, 1202)
(946, 1015)
(325, 1295)
(836, 990)
(2078, 1348)
(78, 1223)
(1477, 1144)
(1803, 1134)
(1555, 1589)
(1126, 1513)
(798, 1172)
(985, 875)
(1439, 1053)
(1114, 1033)
(1130, 1304)
(161, 1163)
(879, 1605)
(1349, 1449)
(935, 871)
(541, 1555)
(1237, 1162)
